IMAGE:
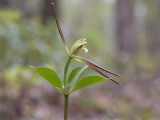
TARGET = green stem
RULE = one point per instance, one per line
(66, 107)
(66, 69)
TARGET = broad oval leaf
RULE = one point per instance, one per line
(49, 75)
(74, 77)
(89, 80)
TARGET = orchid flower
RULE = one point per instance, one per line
(74, 82)
(76, 48)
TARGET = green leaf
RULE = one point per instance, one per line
(49, 75)
(75, 75)
(64, 91)
(89, 80)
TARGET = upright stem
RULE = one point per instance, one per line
(66, 107)
(66, 69)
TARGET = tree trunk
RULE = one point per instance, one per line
(26, 6)
(125, 27)
(4, 3)
(152, 33)
(125, 34)
(47, 11)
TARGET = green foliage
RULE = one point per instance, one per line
(89, 80)
(74, 82)
(49, 75)
(26, 42)
(74, 77)
(8, 15)
(18, 75)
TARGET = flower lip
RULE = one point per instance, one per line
(86, 50)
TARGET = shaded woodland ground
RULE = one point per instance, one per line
(122, 36)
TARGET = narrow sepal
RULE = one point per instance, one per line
(95, 66)
(59, 28)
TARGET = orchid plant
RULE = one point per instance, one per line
(73, 82)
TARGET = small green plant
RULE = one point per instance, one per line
(73, 82)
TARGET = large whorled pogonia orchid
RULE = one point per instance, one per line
(74, 81)
(75, 49)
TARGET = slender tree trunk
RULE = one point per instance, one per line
(152, 33)
(125, 27)
(47, 11)
(4, 3)
(26, 6)
(158, 51)
(125, 32)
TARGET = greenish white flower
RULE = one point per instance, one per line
(76, 48)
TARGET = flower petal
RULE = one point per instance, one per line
(77, 46)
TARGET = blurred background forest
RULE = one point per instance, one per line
(122, 35)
